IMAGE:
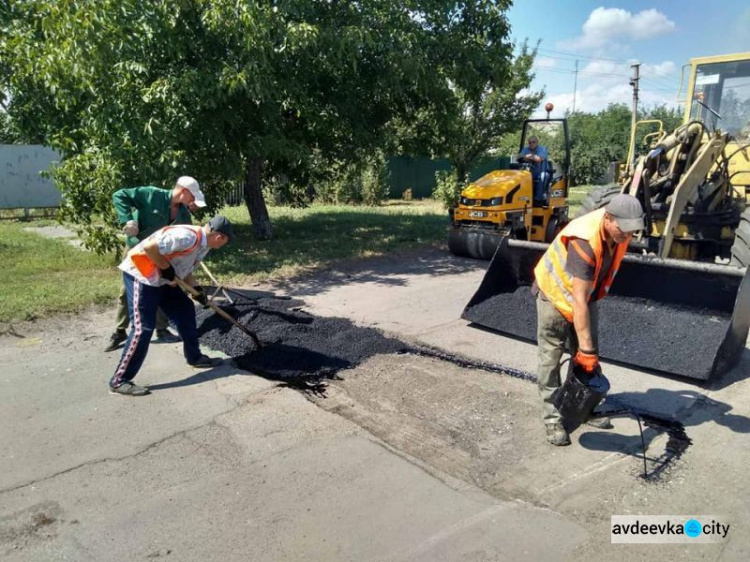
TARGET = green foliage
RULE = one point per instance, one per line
(363, 182)
(447, 189)
(478, 115)
(598, 139)
(89, 177)
(319, 235)
(8, 134)
(153, 89)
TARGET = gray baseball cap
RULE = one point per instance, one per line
(221, 224)
(627, 211)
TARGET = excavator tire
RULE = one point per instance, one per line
(741, 246)
(597, 199)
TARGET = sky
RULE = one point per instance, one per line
(607, 37)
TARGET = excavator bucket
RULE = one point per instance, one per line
(671, 316)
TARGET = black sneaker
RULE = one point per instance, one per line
(600, 422)
(115, 340)
(129, 389)
(165, 336)
(204, 362)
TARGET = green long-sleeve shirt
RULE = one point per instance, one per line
(150, 207)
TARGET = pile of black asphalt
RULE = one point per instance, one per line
(294, 343)
(674, 339)
(297, 345)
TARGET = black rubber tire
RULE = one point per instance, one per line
(553, 228)
(741, 246)
(597, 199)
(473, 243)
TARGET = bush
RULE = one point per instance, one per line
(363, 183)
(279, 191)
(447, 189)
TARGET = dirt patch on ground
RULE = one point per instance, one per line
(37, 523)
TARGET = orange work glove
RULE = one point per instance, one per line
(587, 360)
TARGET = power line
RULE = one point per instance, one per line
(578, 55)
(583, 72)
(662, 75)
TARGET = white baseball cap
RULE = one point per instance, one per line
(191, 184)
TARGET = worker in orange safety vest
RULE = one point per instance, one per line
(574, 273)
(149, 272)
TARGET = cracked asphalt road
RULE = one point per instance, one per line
(408, 457)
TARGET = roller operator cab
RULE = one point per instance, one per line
(502, 203)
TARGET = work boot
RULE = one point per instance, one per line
(129, 389)
(557, 435)
(600, 422)
(204, 362)
(165, 336)
(116, 339)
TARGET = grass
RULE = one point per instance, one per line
(42, 276)
(314, 237)
(576, 195)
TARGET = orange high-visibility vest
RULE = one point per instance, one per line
(144, 264)
(552, 278)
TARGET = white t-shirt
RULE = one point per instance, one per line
(171, 239)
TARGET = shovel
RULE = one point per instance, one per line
(189, 290)
(219, 287)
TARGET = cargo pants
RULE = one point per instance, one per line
(553, 332)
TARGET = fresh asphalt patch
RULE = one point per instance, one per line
(303, 350)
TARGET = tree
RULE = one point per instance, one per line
(482, 107)
(146, 90)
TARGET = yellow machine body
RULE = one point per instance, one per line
(501, 203)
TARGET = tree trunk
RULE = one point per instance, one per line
(256, 205)
(462, 172)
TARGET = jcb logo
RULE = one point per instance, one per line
(557, 193)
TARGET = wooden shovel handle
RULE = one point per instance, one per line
(224, 314)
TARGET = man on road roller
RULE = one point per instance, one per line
(536, 155)
(574, 273)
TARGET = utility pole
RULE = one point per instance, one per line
(634, 83)
(575, 86)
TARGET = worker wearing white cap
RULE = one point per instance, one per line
(194, 188)
(141, 211)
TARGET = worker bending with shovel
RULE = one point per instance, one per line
(141, 212)
(574, 273)
(150, 273)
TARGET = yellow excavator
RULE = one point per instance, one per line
(682, 296)
(502, 203)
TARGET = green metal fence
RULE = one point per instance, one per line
(418, 174)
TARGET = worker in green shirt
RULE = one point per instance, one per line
(142, 211)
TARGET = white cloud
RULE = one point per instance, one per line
(666, 68)
(607, 24)
(595, 93)
(544, 62)
(611, 69)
